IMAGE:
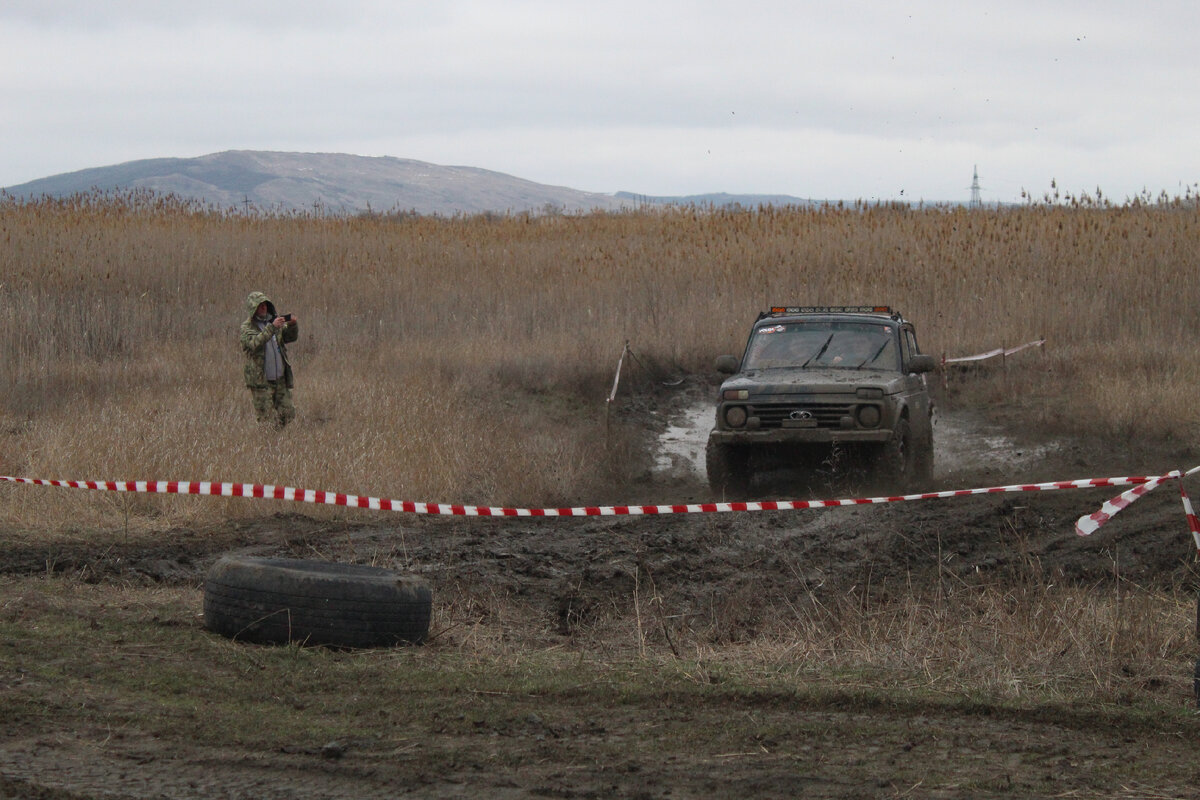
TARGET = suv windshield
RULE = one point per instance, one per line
(843, 345)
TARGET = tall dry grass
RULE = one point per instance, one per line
(467, 359)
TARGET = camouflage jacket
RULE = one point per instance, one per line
(254, 342)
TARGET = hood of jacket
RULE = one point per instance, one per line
(255, 299)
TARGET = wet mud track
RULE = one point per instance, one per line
(567, 569)
(697, 554)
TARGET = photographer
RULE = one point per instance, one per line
(263, 337)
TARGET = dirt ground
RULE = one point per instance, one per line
(568, 572)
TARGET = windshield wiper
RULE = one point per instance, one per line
(819, 353)
(878, 353)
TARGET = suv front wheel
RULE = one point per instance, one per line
(898, 460)
(728, 469)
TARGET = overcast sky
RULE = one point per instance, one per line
(823, 100)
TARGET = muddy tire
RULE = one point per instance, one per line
(897, 461)
(281, 600)
(922, 476)
(728, 470)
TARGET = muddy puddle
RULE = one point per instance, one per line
(680, 449)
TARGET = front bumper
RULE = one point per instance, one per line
(799, 436)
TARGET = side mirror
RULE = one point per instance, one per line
(727, 364)
(922, 363)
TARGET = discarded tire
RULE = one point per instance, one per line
(281, 600)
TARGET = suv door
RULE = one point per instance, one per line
(916, 390)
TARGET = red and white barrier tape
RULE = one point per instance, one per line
(999, 351)
(1193, 521)
(1089, 523)
(1086, 524)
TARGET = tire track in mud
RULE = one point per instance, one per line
(976, 537)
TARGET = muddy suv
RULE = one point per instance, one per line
(824, 386)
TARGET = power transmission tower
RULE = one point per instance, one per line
(976, 192)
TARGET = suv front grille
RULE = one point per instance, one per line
(827, 415)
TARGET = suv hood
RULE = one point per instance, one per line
(793, 380)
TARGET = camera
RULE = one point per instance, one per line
(286, 317)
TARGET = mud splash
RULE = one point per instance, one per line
(962, 442)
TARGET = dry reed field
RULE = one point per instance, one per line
(466, 360)
(422, 339)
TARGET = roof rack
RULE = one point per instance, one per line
(780, 310)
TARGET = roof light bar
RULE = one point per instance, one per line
(831, 309)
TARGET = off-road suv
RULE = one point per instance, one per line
(821, 385)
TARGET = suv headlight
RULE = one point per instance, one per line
(869, 416)
(735, 416)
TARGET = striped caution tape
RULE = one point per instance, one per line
(1086, 524)
(1089, 523)
(1193, 521)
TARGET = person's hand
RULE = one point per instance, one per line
(279, 322)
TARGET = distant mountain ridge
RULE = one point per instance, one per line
(326, 183)
(338, 183)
